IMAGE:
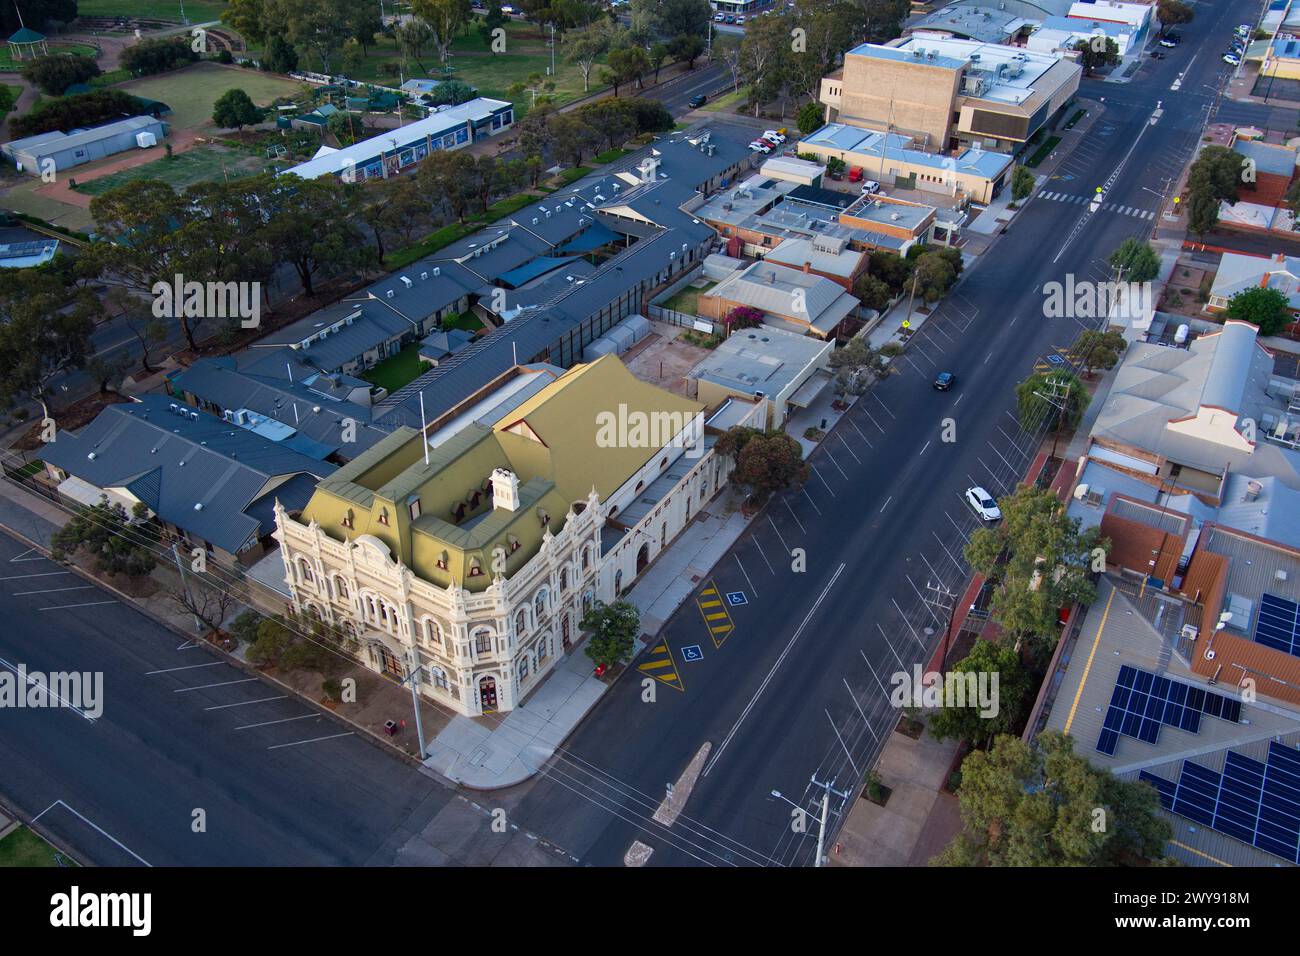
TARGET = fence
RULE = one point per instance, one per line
(673, 317)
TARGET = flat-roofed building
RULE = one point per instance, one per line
(948, 94)
(781, 369)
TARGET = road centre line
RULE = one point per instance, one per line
(717, 754)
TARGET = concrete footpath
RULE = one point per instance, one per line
(493, 751)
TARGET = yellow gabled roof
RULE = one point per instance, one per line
(572, 418)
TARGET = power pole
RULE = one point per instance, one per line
(943, 600)
(414, 665)
(828, 788)
(1058, 399)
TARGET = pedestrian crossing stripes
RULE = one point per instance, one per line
(660, 665)
(1070, 198)
(716, 616)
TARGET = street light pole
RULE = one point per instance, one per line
(828, 788)
(414, 666)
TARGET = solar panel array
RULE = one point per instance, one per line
(1142, 701)
(1258, 803)
(1278, 624)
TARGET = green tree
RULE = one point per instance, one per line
(46, 320)
(235, 110)
(152, 56)
(311, 228)
(872, 292)
(1040, 560)
(584, 48)
(244, 627)
(1095, 349)
(280, 56)
(686, 48)
(1015, 685)
(1097, 51)
(1056, 399)
(1135, 261)
(855, 366)
(1022, 183)
(318, 26)
(1262, 306)
(452, 93)
(765, 57)
(765, 462)
(1036, 805)
(810, 118)
(54, 74)
(445, 18)
(933, 276)
(120, 543)
(614, 629)
(1171, 13)
(273, 638)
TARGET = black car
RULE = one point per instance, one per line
(944, 381)
(697, 101)
(1157, 55)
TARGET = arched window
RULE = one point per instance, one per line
(432, 633)
(523, 666)
(564, 580)
(586, 559)
(304, 572)
(618, 582)
(543, 648)
(521, 622)
(539, 605)
(439, 678)
(340, 587)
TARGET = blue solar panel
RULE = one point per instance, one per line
(1255, 802)
(1143, 701)
(1278, 624)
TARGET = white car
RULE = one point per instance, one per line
(773, 136)
(1243, 30)
(1232, 59)
(870, 187)
(983, 503)
(1166, 42)
(761, 146)
(717, 18)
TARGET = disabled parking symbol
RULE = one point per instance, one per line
(736, 598)
(692, 653)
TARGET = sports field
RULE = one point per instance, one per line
(196, 165)
(191, 92)
(198, 11)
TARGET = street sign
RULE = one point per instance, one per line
(692, 653)
(736, 598)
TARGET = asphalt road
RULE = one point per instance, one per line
(799, 688)
(183, 735)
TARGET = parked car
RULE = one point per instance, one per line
(1232, 59)
(1157, 55)
(718, 18)
(1243, 30)
(1168, 42)
(730, 18)
(761, 146)
(696, 101)
(870, 187)
(740, 20)
(983, 503)
(775, 135)
(944, 381)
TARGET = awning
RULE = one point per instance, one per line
(84, 493)
(807, 393)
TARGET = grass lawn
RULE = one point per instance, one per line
(491, 74)
(687, 299)
(25, 848)
(198, 11)
(14, 93)
(398, 370)
(727, 101)
(1043, 151)
(9, 65)
(192, 91)
(23, 198)
(200, 164)
(466, 320)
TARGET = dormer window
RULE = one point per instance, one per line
(475, 570)
(349, 519)
(513, 543)
(443, 560)
(383, 516)
(543, 517)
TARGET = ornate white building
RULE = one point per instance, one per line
(475, 553)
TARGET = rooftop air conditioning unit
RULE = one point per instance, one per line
(1190, 632)
(424, 275)
(406, 282)
(437, 270)
(387, 295)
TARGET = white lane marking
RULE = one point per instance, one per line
(779, 536)
(810, 501)
(188, 667)
(31, 680)
(283, 720)
(226, 683)
(744, 572)
(40, 574)
(64, 607)
(772, 672)
(79, 587)
(886, 504)
(299, 743)
(88, 822)
(245, 703)
(922, 451)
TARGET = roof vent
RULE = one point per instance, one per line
(92, 456)
(406, 282)
(388, 294)
(198, 506)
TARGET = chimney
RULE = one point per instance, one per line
(505, 489)
(807, 267)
